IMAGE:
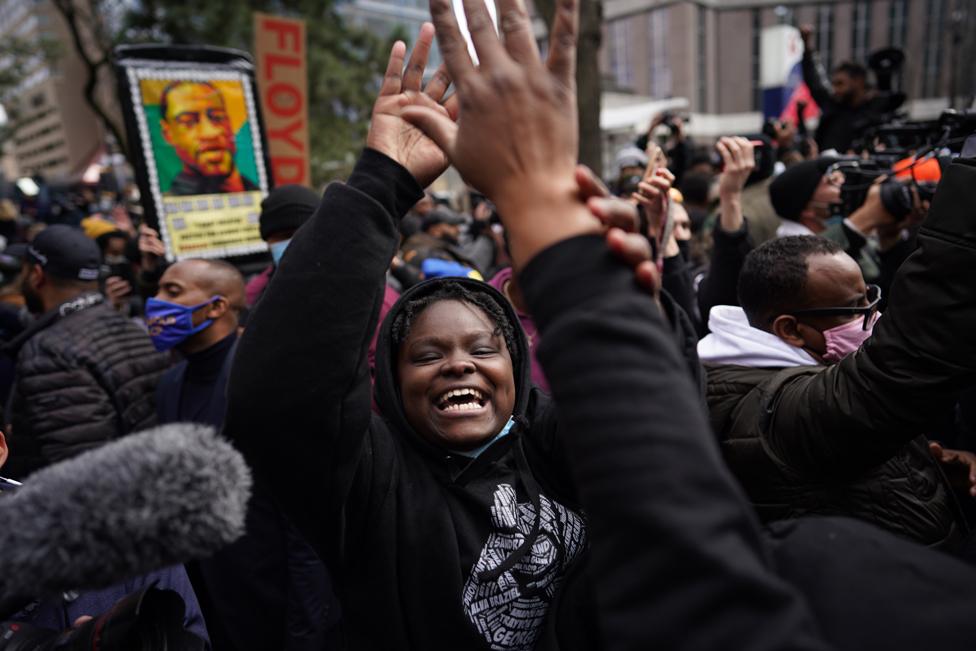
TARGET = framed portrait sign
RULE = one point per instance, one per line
(197, 146)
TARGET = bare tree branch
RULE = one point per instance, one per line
(94, 65)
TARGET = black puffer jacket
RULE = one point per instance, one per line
(905, 493)
(85, 375)
(846, 439)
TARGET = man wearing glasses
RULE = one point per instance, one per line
(813, 424)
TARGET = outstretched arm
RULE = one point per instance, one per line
(299, 397)
(671, 534)
(813, 75)
(732, 241)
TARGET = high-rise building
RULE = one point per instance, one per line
(386, 17)
(55, 133)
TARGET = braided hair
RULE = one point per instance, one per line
(453, 291)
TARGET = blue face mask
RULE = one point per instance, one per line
(171, 324)
(278, 250)
(474, 454)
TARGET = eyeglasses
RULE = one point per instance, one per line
(869, 310)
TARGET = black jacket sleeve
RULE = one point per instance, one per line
(720, 285)
(891, 261)
(814, 79)
(676, 553)
(676, 280)
(60, 408)
(299, 394)
(921, 356)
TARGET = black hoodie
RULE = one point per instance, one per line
(420, 547)
(427, 550)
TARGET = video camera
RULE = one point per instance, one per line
(899, 149)
(896, 196)
(150, 620)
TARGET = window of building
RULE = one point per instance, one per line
(861, 32)
(660, 63)
(756, 59)
(934, 35)
(898, 23)
(619, 33)
(825, 34)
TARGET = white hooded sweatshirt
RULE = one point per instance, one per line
(734, 341)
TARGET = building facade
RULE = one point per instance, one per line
(387, 17)
(55, 135)
(708, 51)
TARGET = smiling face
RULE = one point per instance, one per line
(456, 378)
(197, 125)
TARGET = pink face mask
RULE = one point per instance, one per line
(845, 339)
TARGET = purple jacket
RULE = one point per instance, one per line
(528, 325)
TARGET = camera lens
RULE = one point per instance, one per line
(896, 198)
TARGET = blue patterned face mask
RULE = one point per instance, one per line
(278, 250)
(171, 324)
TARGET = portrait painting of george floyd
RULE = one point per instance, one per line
(201, 159)
(202, 142)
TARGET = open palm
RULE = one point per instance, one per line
(389, 133)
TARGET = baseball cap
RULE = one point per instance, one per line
(65, 252)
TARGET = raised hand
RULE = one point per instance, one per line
(619, 217)
(806, 33)
(515, 139)
(651, 195)
(738, 157)
(389, 133)
(151, 248)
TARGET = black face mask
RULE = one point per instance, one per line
(684, 247)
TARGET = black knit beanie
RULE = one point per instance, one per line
(792, 190)
(286, 208)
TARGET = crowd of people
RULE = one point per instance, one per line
(693, 407)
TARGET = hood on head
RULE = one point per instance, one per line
(387, 389)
